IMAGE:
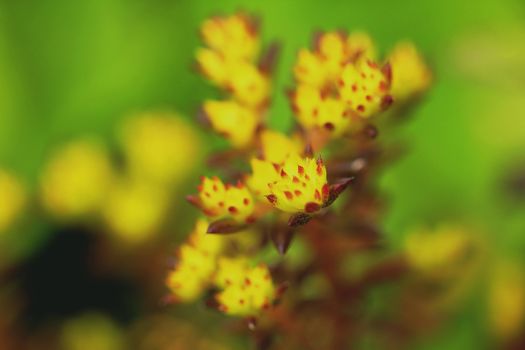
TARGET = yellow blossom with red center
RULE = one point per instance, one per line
(333, 50)
(314, 109)
(298, 185)
(234, 121)
(410, 74)
(218, 200)
(364, 87)
(339, 81)
(246, 290)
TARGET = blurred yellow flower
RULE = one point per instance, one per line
(229, 59)
(135, 210)
(315, 110)
(506, 300)
(197, 261)
(12, 199)
(92, 331)
(76, 179)
(234, 37)
(410, 74)
(333, 50)
(232, 120)
(298, 185)
(246, 291)
(438, 250)
(364, 87)
(159, 147)
(219, 201)
(277, 147)
(339, 81)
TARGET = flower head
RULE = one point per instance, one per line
(322, 66)
(13, 198)
(234, 37)
(197, 262)
(246, 290)
(410, 74)
(364, 86)
(229, 59)
(298, 185)
(339, 81)
(233, 120)
(277, 147)
(218, 200)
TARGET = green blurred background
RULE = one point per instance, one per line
(71, 68)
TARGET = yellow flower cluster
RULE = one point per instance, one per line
(197, 260)
(218, 200)
(159, 150)
(245, 290)
(410, 74)
(229, 61)
(288, 181)
(339, 80)
(12, 199)
(296, 185)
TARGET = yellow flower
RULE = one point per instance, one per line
(333, 51)
(248, 85)
(12, 199)
(231, 271)
(299, 185)
(229, 59)
(507, 300)
(197, 262)
(360, 45)
(309, 69)
(315, 110)
(364, 87)
(76, 180)
(436, 251)
(236, 122)
(338, 81)
(247, 291)
(159, 147)
(219, 201)
(410, 74)
(211, 245)
(135, 210)
(277, 147)
(235, 37)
